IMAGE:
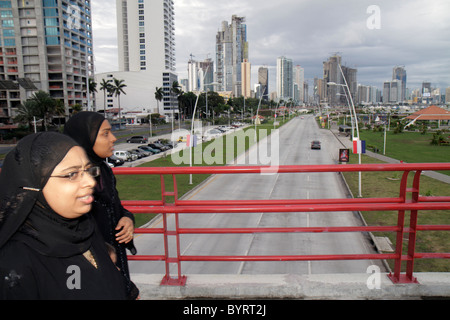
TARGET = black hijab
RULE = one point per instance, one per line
(83, 127)
(24, 212)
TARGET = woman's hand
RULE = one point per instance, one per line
(126, 234)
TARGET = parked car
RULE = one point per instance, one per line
(141, 152)
(137, 139)
(165, 143)
(315, 144)
(156, 145)
(125, 155)
(172, 144)
(114, 161)
(213, 133)
(149, 149)
(133, 152)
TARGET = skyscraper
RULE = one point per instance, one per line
(333, 72)
(263, 81)
(392, 92)
(146, 35)
(399, 73)
(200, 75)
(46, 45)
(246, 78)
(299, 79)
(231, 50)
(146, 50)
(285, 84)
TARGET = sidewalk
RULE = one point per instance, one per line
(345, 141)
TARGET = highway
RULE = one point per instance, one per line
(293, 148)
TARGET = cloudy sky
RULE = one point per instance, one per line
(370, 35)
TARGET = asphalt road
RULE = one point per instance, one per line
(293, 149)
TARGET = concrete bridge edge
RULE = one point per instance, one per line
(289, 286)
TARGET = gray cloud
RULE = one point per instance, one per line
(413, 33)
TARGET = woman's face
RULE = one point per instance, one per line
(71, 198)
(104, 144)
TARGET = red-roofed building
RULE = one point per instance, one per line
(431, 113)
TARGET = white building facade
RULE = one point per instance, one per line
(146, 50)
(285, 84)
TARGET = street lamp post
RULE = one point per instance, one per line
(191, 140)
(257, 112)
(352, 110)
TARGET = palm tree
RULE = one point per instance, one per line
(44, 106)
(105, 86)
(60, 109)
(159, 95)
(26, 113)
(178, 92)
(93, 90)
(117, 89)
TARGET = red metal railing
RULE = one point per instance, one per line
(401, 204)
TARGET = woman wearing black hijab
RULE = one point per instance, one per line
(50, 247)
(93, 132)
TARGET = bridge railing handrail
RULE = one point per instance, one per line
(400, 203)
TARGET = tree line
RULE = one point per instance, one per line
(43, 108)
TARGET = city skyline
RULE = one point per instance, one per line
(372, 39)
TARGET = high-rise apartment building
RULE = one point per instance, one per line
(45, 45)
(263, 81)
(334, 73)
(246, 79)
(200, 75)
(146, 35)
(231, 50)
(299, 79)
(285, 84)
(399, 73)
(331, 73)
(392, 91)
(146, 50)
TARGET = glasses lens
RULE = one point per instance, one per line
(94, 171)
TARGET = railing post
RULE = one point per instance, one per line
(401, 226)
(413, 229)
(397, 277)
(167, 279)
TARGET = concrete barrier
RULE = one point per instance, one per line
(311, 286)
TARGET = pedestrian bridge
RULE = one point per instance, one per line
(401, 282)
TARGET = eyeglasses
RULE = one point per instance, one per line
(77, 175)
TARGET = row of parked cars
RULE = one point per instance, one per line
(121, 156)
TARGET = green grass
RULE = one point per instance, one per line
(148, 187)
(407, 146)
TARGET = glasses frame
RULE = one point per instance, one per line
(92, 172)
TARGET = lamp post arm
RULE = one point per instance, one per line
(351, 100)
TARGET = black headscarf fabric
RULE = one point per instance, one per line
(83, 127)
(25, 172)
